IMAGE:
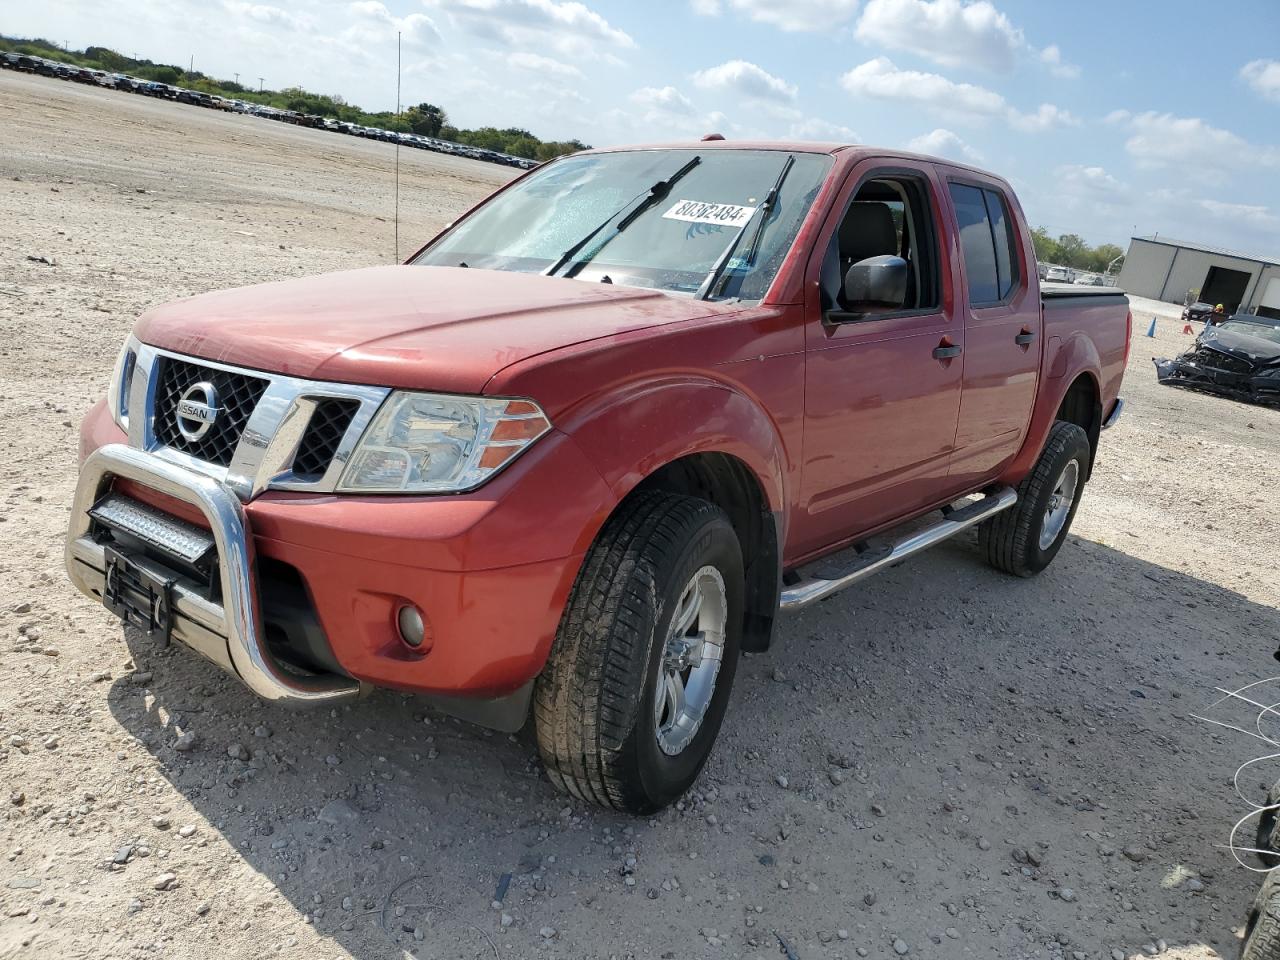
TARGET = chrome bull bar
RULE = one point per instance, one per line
(231, 635)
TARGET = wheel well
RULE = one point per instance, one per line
(1082, 406)
(731, 485)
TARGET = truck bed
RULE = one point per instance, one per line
(1060, 291)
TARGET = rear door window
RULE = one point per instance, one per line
(1002, 235)
(982, 274)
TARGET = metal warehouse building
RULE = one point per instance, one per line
(1167, 269)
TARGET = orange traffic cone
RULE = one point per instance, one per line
(1186, 328)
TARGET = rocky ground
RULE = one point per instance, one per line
(944, 763)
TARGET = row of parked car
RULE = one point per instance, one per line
(1051, 273)
(150, 88)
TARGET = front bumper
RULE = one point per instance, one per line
(491, 571)
(1227, 383)
(230, 634)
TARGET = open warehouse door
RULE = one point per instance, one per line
(1225, 286)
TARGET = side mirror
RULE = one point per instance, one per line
(877, 282)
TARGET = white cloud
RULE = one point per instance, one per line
(815, 128)
(376, 24)
(1084, 199)
(537, 63)
(1046, 117)
(659, 113)
(1051, 57)
(568, 27)
(955, 33)
(1186, 213)
(1088, 179)
(1193, 216)
(943, 143)
(1163, 140)
(881, 79)
(947, 32)
(666, 99)
(746, 79)
(1254, 214)
(790, 15)
(1264, 77)
(268, 15)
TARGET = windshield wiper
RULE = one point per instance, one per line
(763, 211)
(654, 194)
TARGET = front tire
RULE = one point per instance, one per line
(630, 702)
(1024, 539)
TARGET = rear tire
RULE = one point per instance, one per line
(662, 586)
(1268, 838)
(1024, 539)
(1262, 929)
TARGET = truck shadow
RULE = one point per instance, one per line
(884, 771)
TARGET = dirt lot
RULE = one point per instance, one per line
(945, 761)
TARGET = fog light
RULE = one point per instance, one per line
(412, 630)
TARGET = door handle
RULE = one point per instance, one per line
(1024, 338)
(946, 352)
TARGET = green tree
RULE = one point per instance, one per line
(426, 119)
(161, 74)
(1046, 247)
(1101, 256)
(523, 147)
(108, 58)
(1072, 251)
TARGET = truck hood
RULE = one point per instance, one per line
(424, 328)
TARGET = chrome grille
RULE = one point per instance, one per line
(238, 395)
(271, 431)
(328, 425)
(1222, 361)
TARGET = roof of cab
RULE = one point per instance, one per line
(857, 150)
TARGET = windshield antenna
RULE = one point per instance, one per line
(397, 200)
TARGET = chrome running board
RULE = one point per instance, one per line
(877, 558)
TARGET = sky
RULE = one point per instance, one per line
(1110, 119)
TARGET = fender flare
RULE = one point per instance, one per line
(655, 417)
(1075, 355)
(1067, 360)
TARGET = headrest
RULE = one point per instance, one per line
(867, 231)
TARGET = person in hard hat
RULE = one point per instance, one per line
(1218, 316)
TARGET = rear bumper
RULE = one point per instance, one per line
(490, 571)
(1117, 409)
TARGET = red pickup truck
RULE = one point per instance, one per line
(579, 452)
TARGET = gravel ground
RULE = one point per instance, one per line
(943, 763)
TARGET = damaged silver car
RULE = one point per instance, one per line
(1238, 358)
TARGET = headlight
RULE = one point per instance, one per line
(121, 382)
(433, 443)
